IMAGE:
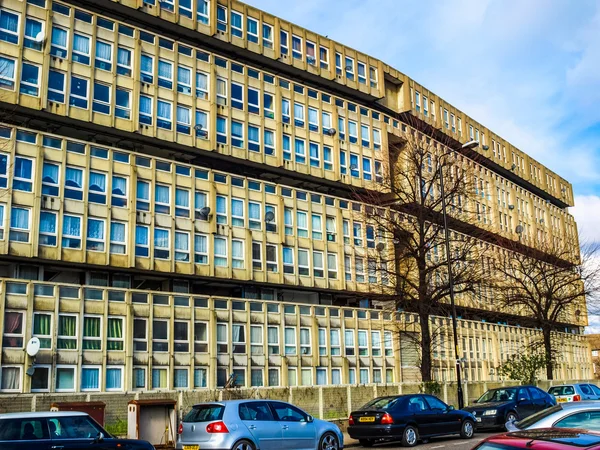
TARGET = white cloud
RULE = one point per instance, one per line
(587, 215)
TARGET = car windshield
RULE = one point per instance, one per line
(498, 395)
(382, 403)
(488, 446)
(562, 390)
(205, 413)
(535, 418)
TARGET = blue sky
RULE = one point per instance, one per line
(527, 69)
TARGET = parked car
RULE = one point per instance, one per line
(58, 430)
(252, 424)
(543, 439)
(575, 392)
(508, 404)
(408, 418)
(564, 415)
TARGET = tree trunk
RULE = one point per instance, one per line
(425, 345)
(548, 353)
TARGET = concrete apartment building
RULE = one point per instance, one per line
(176, 182)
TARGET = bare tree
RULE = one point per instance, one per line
(407, 211)
(548, 283)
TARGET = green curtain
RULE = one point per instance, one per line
(41, 327)
(67, 326)
(91, 329)
(115, 331)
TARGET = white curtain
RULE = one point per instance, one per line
(162, 194)
(182, 197)
(103, 51)
(164, 110)
(184, 115)
(47, 223)
(124, 57)
(81, 44)
(165, 70)
(10, 378)
(95, 229)
(97, 182)
(117, 232)
(59, 37)
(119, 185)
(72, 226)
(161, 238)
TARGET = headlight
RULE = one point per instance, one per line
(490, 412)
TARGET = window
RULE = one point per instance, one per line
(160, 336)
(364, 376)
(363, 344)
(182, 246)
(13, 329)
(164, 114)
(202, 15)
(162, 199)
(118, 238)
(359, 265)
(353, 132)
(74, 183)
(7, 81)
(290, 340)
(296, 47)
(324, 57)
(58, 46)
(165, 74)
(67, 332)
(124, 66)
(357, 232)
(388, 343)
(101, 101)
(252, 30)
(146, 69)
(114, 378)
(162, 243)
(9, 26)
(142, 241)
(40, 381)
(349, 342)
(253, 100)
(92, 333)
(334, 341)
(220, 251)
(299, 114)
(267, 35)
(42, 328)
(81, 49)
(140, 335)
(332, 269)
(221, 18)
(97, 188)
(303, 262)
(237, 134)
(300, 150)
(139, 378)
(184, 120)
(302, 224)
(30, 80)
(237, 29)
(237, 96)
(160, 378)
(65, 379)
(79, 92)
(34, 34)
(95, 235)
(349, 68)
(288, 260)
(362, 73)
(103, 56)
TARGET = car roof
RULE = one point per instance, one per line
(581, 405)
(42, 414)
(570, 384)
(236, 402)
(549, 438)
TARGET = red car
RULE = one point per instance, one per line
(543, 439)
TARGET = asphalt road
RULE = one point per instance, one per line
(442, 443)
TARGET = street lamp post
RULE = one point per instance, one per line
(459, 392)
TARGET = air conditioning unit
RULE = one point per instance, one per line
(331, 237)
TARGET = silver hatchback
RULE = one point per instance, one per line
(255, 424)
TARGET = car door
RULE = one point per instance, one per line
(441, 418)
(596, 390)
(539, 398)
(24, 434)
(586, 392)
(78, 433)
(298, 430)
(258, 418)
(524, 404)
(422, 415)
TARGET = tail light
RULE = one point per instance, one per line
(577, 398)
(350, 420)
(387, 419)
(180, 429)
(217, 427)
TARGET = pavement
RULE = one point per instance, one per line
(448, 443)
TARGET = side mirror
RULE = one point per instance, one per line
(99, 438)
(451, 408)
(522, 399)
(310, 419)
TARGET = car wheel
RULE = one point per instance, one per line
(511, 417)
(467, 430)
(243, 445)
(366, 442)
(329, 441)
(410, 436)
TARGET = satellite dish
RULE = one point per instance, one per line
(198, 127)
(33, 346)
(40, 37)
(519, 229)
(331, 132)
(269, 216)
(204, 213)
(353, 167)
(380, 246)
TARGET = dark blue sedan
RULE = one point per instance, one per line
(408, 418)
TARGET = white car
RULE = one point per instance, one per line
(575, 392)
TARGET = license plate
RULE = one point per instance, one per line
(366, 419)
(478, 419)
(191, 447)
(561, 400)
